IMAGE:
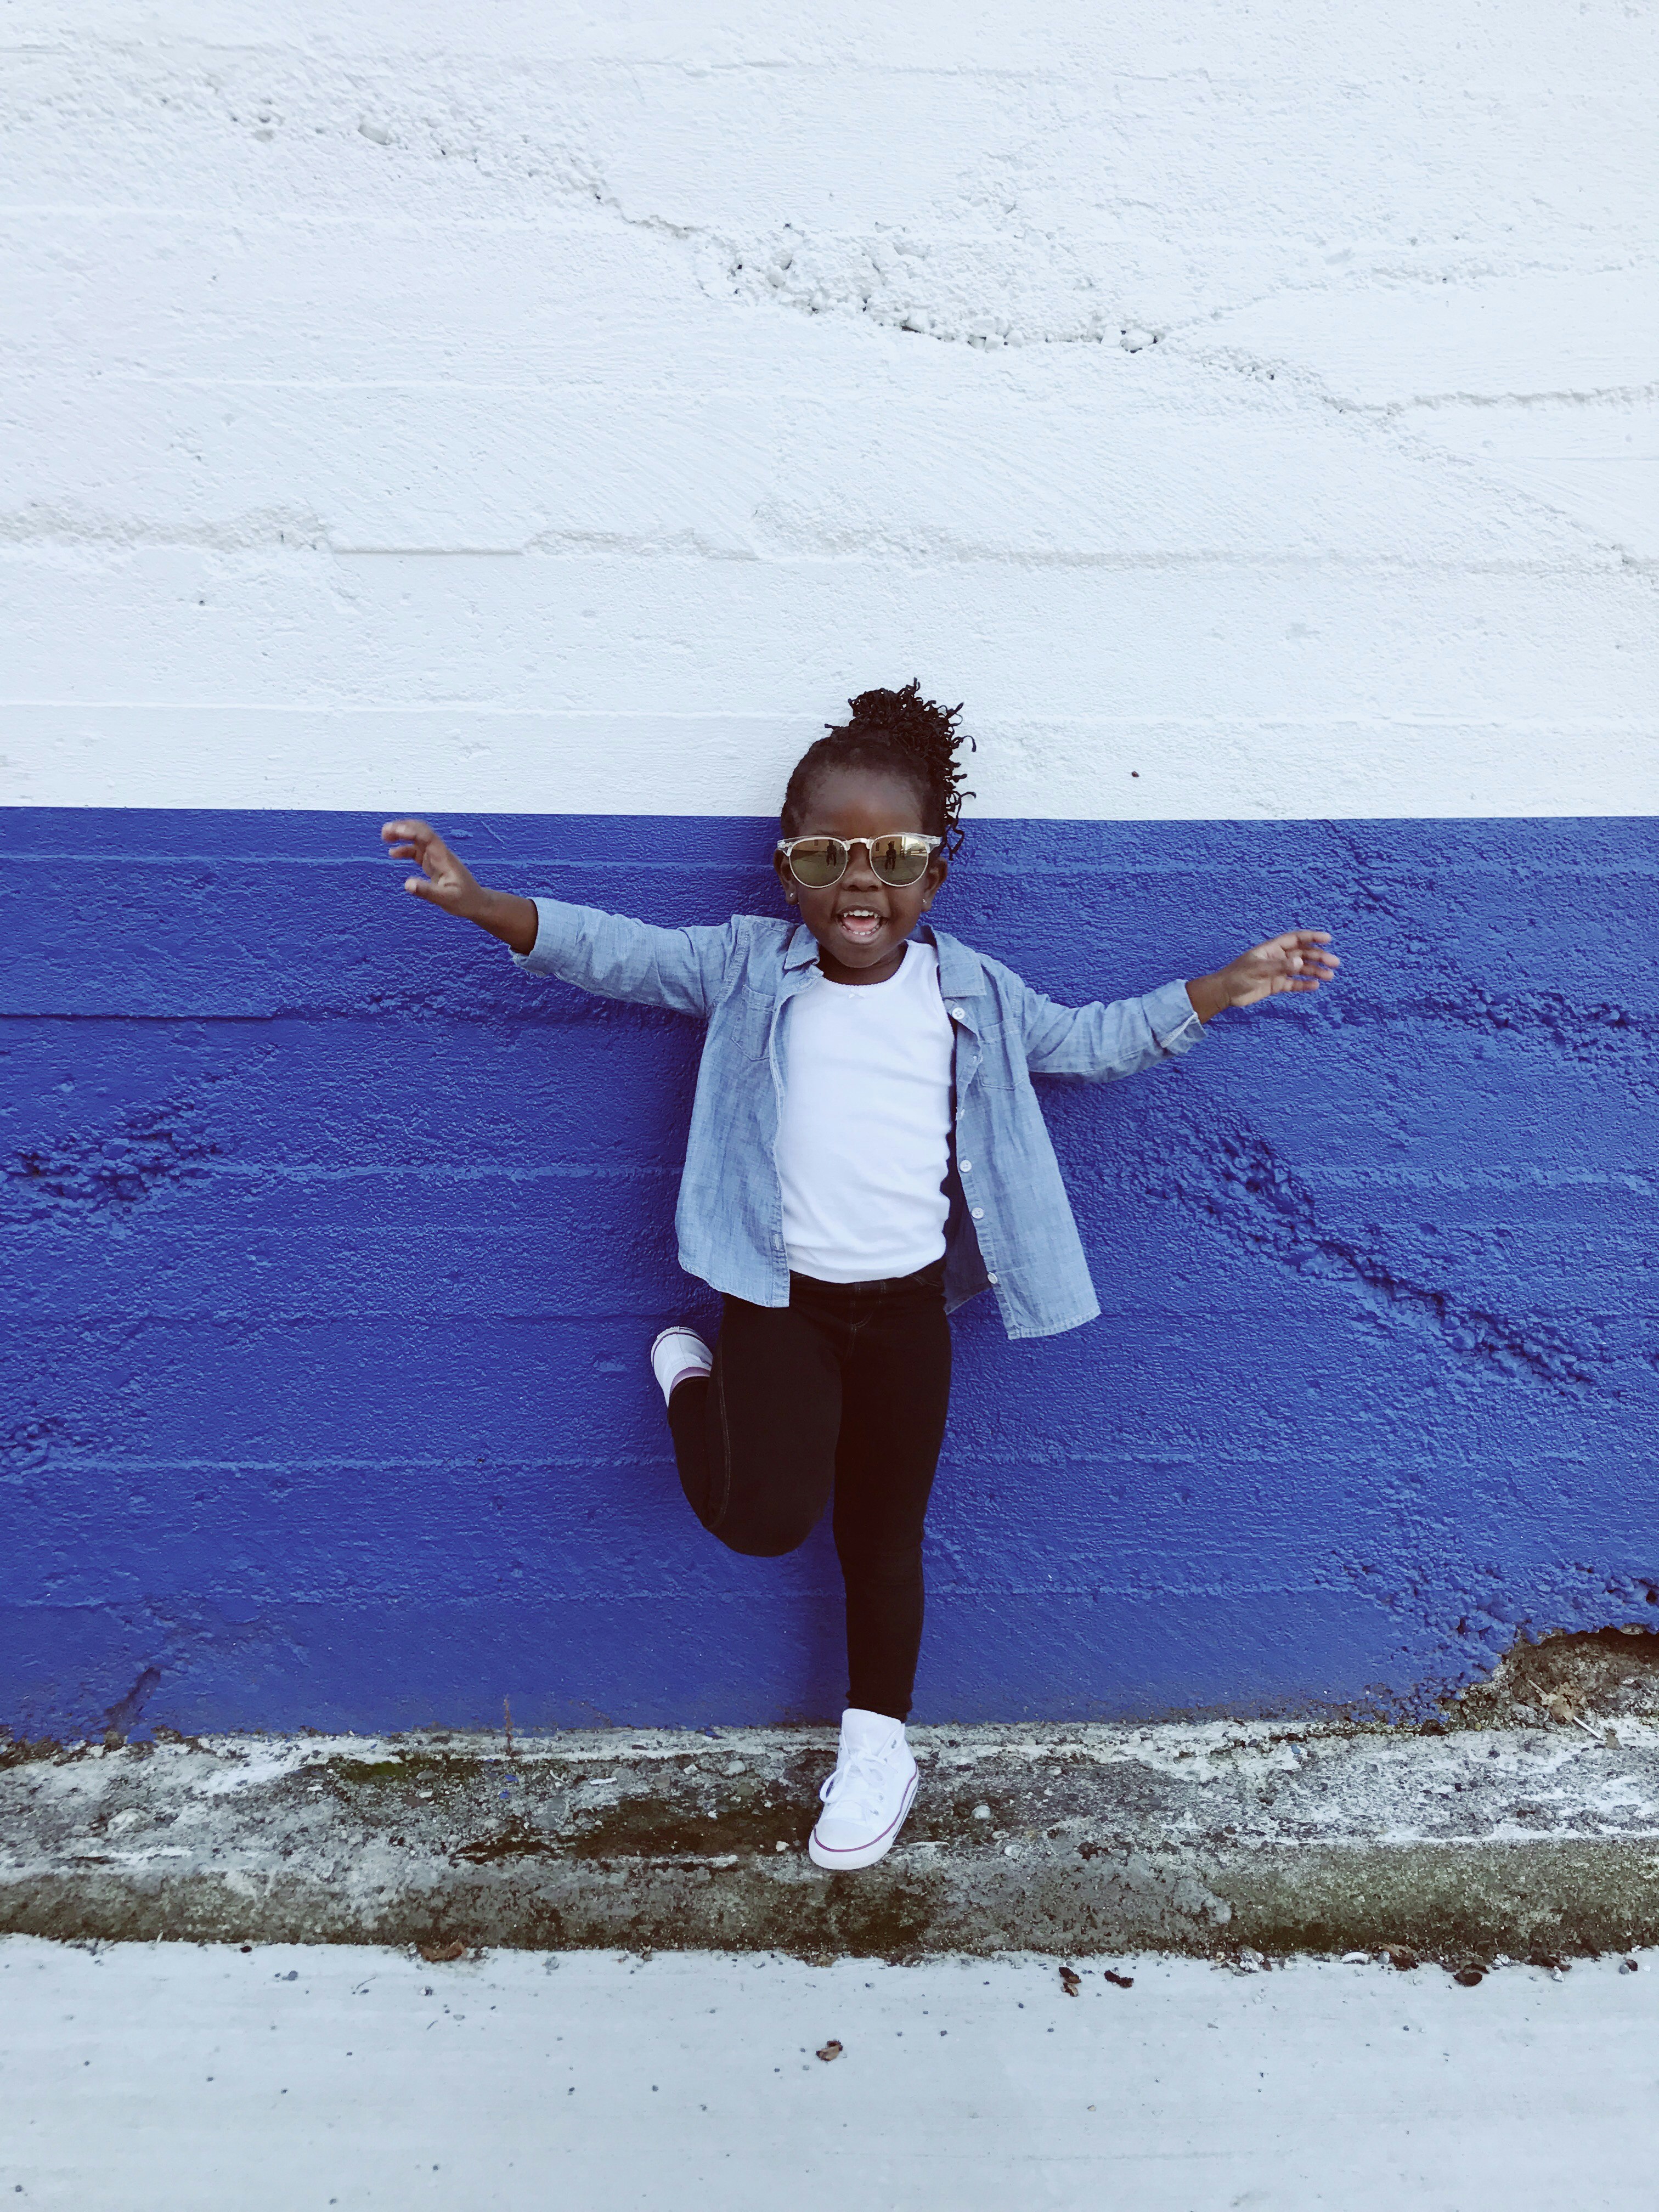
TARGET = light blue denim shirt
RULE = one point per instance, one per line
(1010, 1228)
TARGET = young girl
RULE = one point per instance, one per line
(866, 1154)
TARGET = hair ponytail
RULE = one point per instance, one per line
(903, 733)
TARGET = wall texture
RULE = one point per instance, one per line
(544, 420)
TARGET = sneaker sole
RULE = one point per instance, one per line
(862, 1854)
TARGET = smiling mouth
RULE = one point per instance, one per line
(861, 923)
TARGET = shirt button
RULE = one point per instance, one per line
(967, 1167)
(990, 1278)
(979, 1214)
(956, 1013)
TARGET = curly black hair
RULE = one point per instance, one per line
(907, 735)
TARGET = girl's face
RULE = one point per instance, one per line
(860, 923)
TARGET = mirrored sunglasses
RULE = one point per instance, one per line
(897, 858)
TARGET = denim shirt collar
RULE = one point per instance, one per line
(960, 974)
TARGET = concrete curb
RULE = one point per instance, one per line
(1211, 1839)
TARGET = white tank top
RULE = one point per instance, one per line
(864, 1134)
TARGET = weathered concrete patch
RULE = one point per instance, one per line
(1215, 1839)
(1607, 1677)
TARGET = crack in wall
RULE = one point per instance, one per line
(77, 529)
(126, 1712)
(936, 289)
(101, 1178)
(772, 534)
(1588, 1033)
(1233, 1180)
(520, 142)
(30, 1445)
(1599, 1034)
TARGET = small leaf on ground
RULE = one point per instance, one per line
(1119, 1981)
(830, 2049)
(1069, 1982)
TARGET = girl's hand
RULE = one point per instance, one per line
(1294, 961)
(444, 880)
(447, 881)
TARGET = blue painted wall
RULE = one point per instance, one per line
(333, 1247)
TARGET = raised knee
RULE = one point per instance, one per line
(766, 1536)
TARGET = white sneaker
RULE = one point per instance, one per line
(867, 1796)
(676, 1355)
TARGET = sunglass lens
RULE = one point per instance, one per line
(817, 862)
(899, 860)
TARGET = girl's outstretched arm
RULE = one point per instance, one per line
(1296, 961)
(447, 881)
(1101, 1042)
(682, 969)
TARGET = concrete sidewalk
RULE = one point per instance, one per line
(1204, 1839)
(139, 2078)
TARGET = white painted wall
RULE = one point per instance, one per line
(523, 407)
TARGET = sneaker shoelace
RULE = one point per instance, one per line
(859, 1785)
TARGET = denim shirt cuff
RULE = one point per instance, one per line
(542, 955)
(1173, 1018)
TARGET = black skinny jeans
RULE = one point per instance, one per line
(844, 1388)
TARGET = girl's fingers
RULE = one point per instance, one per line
(1295, 960)
(412, 839)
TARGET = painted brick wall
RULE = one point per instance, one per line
(545, 419)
